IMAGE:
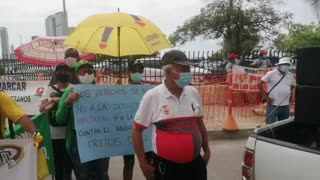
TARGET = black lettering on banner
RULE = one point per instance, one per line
(81, 108)
(123, 128)
(103, 143)
(85, 93)
(23, 99)
(134, 91)
(13, 86)
(92, 108)
(106, 130)
(89, 132)
(110, 92)
(24, 86)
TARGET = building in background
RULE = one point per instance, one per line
(57, 24)
(61, 23)
(70, 30)
(50, 26)
(4, 40)
(12, 49)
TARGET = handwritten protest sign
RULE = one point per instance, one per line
(246, 79)
(104, 118)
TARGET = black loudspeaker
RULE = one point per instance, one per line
(307, 106)
(308, 63)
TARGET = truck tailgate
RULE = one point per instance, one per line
(276, 162)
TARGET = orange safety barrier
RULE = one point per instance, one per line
(229, 123)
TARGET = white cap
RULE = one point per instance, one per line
(284, 60)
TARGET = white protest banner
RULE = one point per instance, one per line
(246, 79)
(18, 159)
(26, 93)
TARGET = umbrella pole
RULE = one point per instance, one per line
(120, 60)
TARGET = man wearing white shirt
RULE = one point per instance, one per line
(280, 84)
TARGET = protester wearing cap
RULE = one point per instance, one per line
(174, 112)
(96, 169)
(233, 60)
(136, 68)
(280, 83)
(59, 82)
(262, 61)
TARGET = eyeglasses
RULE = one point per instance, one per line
(85, 70)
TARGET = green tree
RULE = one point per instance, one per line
(316, 7)
(241, 24)
(298, 36)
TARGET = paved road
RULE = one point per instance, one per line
(224, 165)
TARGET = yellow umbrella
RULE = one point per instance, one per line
(118, 34)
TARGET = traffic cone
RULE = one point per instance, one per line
(229, 123)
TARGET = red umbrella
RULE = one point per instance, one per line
(45, 51)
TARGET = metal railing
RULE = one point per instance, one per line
(208, 64)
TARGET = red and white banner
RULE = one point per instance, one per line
(26, 93)
(246, 79)
(18, 159)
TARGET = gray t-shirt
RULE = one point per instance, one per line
(261, 63)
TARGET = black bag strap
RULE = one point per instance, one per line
(276, 84)
(58, 90)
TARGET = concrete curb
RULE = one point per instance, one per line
(222, 135)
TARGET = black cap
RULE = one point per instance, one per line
(133, 63)
(62, 66)
(176, 57)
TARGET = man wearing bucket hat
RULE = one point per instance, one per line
(280, 85)
(174, 111)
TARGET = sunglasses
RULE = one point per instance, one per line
(85, 70)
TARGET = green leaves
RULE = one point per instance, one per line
(241, 24)
(299, 36)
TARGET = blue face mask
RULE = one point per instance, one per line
(136, 77)
(185, 79)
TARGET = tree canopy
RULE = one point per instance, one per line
(299, 36)
(241, 24)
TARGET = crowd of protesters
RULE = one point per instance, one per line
(280, 84)
(164, 161)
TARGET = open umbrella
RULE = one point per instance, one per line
(46, 51)
(118, 34)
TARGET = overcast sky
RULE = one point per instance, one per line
(26, 18)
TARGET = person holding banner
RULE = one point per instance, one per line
(11, 110)
(280, 82)
(262, 61)
(96, 169)
(50, 99)
(233, 59)
(174, 111)
(136, 77)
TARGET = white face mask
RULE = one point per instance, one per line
(284, 68)
(71, 61)
(86, 79)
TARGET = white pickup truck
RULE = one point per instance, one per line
(284, 150)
